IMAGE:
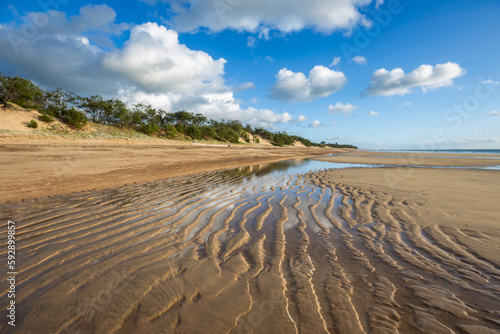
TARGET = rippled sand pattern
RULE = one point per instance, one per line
(224, 252)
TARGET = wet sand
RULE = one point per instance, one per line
(264, 250)
(36, 167)
(416, 158)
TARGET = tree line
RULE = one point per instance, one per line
(76, 111)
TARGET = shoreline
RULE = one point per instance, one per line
(42, 167)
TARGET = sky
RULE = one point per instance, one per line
(379, 74)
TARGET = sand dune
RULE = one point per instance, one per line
(225, 252)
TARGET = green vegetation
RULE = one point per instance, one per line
(33, 124)
(46, 118)
(75, 111)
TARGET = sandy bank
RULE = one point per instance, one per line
(457, 199)
(36, 167)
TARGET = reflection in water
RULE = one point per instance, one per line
(293, 166)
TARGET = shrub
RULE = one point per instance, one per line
(51, 110)
(150, 128)
(33, 124)
(170, 131)
(208, 132)
(46, 118)
(74, 118)
(194, 132)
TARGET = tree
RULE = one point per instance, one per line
(182, 117)
(20, 91)
(94, 106)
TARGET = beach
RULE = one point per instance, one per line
(34, 167)
(280, 247)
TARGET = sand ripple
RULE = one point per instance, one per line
(225, 253)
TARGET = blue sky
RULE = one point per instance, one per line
(377, 74)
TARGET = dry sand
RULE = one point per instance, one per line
(351, 251)
(36, 167)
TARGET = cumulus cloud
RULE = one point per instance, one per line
(296, 87)
(494, 113)
(374, 113)
(344, 109)
(152, 67)
(61, 52)
(154, 59)
(254, 16)
(302, 118)
(396, 82)
(315, 124)
(360, 60)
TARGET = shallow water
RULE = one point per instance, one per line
(257, 249)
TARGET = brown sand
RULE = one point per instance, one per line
(36, 167)
(422, 159)
(397, 250)
(329, 252)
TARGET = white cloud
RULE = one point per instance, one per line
(406, 104)
(264, 34)
(396, 82)
(334, 123)
(302, 118)
(254, 16)
(335, 62)
(360, 60)
(315, 124)
(251, 41)
(152, 67)
(489, 82)
(340, 108)
(379, 3)
(296, 87)
(63, 52)
(153, 59)
(374, 113)
(494, 113)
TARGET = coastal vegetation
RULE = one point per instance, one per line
(76, 111)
